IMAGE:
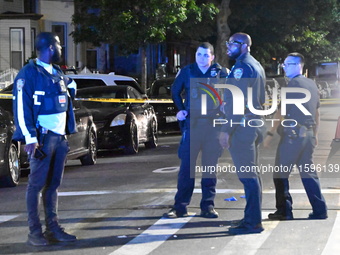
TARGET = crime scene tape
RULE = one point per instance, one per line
(6, 96)
(132, 100)
(125, 100)
(109, 100)
(322, 101)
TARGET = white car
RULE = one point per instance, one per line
(85, 80)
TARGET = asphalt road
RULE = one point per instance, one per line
(116, 207)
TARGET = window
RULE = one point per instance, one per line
(17, 47)
(60, 31)
(134, 93)
(91, 59)
(85, 83)
(133, 84)
(33, 35)
(30, 6)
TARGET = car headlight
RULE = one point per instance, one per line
(119, 120)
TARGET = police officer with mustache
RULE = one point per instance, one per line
(243, 133)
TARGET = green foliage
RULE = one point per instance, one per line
(131, 23)
(199, 25)
(310, 27)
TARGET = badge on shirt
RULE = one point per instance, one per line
(62, 99)
(20, 84)
(213, 72)
(238, 72)
(62, 86)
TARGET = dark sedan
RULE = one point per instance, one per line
(121, 125)
(165, 112)
(83, 144)
(9, 152)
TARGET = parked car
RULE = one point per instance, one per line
(92, 80)
(165, 112)
(121, 125)
(324, 89)
(9, 151)
(83, 144)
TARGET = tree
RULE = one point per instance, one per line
(310, 27)
(223, 32)
(133, 24)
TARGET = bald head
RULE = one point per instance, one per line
(238, 44)
(242, 37)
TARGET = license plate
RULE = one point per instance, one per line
(170, 119)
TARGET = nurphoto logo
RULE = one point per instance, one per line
(239, 105)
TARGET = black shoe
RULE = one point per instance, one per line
(243, 229)
(174, 214)
(278, 216)
(37, 240)
(236, 222)
(59, 235)
(210, 213)
(322, 216)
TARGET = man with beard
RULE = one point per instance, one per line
(43, 115)
(243, 133)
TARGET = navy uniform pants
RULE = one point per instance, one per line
(200, 137)
(243, 149)
(45, 177)
(298, 151)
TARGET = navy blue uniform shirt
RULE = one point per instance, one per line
(187, 84)
(293, 112)
(247, 72)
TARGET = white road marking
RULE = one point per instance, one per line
(84, 193)
(302, 191)
(166, 170)
(332, 246)
(249, 244)
(4, 218)
(153, 237)
(218, 191)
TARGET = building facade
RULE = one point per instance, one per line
(22, 20)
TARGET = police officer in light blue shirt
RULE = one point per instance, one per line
(243, 132)
(43, 114)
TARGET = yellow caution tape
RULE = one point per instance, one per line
(131, 100)
(125, 100)
(6, 96)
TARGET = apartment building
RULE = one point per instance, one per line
(22, 20)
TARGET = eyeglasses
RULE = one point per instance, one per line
(289, 64)
(234, 42)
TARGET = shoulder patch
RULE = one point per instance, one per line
(20, 84)
(238, 72)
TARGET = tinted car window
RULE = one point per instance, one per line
(162, 88)
(107, 92)
(129, 83)
(85, 83)
(134, 94)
